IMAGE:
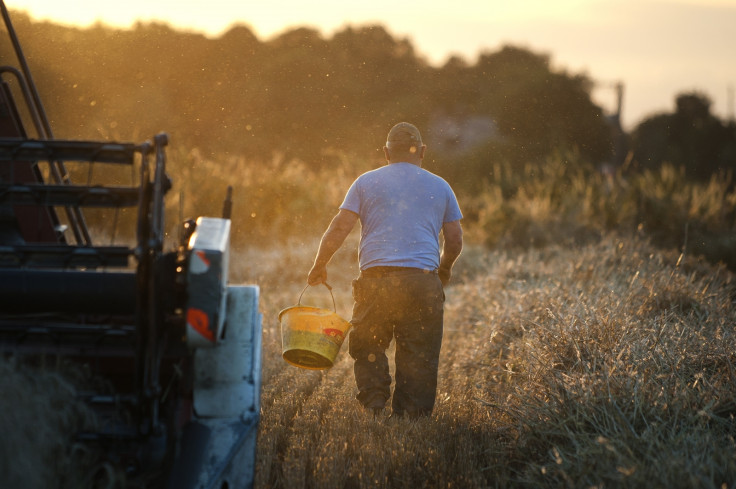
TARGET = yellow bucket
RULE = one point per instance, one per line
(311, 337)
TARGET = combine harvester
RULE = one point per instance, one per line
(178, 350)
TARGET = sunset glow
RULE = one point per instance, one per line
(656, 48)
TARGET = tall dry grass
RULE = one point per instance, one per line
(565, 199)
(274, 201)
(568, 200)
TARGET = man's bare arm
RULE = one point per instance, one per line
(451, 250)
(333, 238)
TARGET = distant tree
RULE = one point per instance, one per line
(377, 80)
(527, 110)
(690, 137)
(541, 110)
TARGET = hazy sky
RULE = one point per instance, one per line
(657, 48)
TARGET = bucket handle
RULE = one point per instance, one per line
(328, 288)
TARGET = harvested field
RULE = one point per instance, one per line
(606, 366)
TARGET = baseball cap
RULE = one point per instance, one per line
(405, 133)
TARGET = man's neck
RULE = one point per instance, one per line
(417, 163)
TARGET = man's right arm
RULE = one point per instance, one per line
(333, 238)
(451, 249)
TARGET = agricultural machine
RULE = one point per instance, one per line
(173, 350)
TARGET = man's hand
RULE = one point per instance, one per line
(317, 275)
(445, 275)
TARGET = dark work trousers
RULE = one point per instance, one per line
(405, 304)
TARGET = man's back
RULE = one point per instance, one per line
(402, 208)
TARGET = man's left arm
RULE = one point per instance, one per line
(451, 249)
(333, 238)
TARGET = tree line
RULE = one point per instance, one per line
(329, 100)
(299, 93)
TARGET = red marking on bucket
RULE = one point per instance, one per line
(198, 320)
(335, 333)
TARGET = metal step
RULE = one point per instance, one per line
(12, 149)
(64, 256)
(28, 336)
(69, 195)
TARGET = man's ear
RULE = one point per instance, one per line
(385, 153)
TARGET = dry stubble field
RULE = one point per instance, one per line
(611, 365)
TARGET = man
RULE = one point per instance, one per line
(399, 294)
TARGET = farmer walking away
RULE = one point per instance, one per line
(399, 293)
